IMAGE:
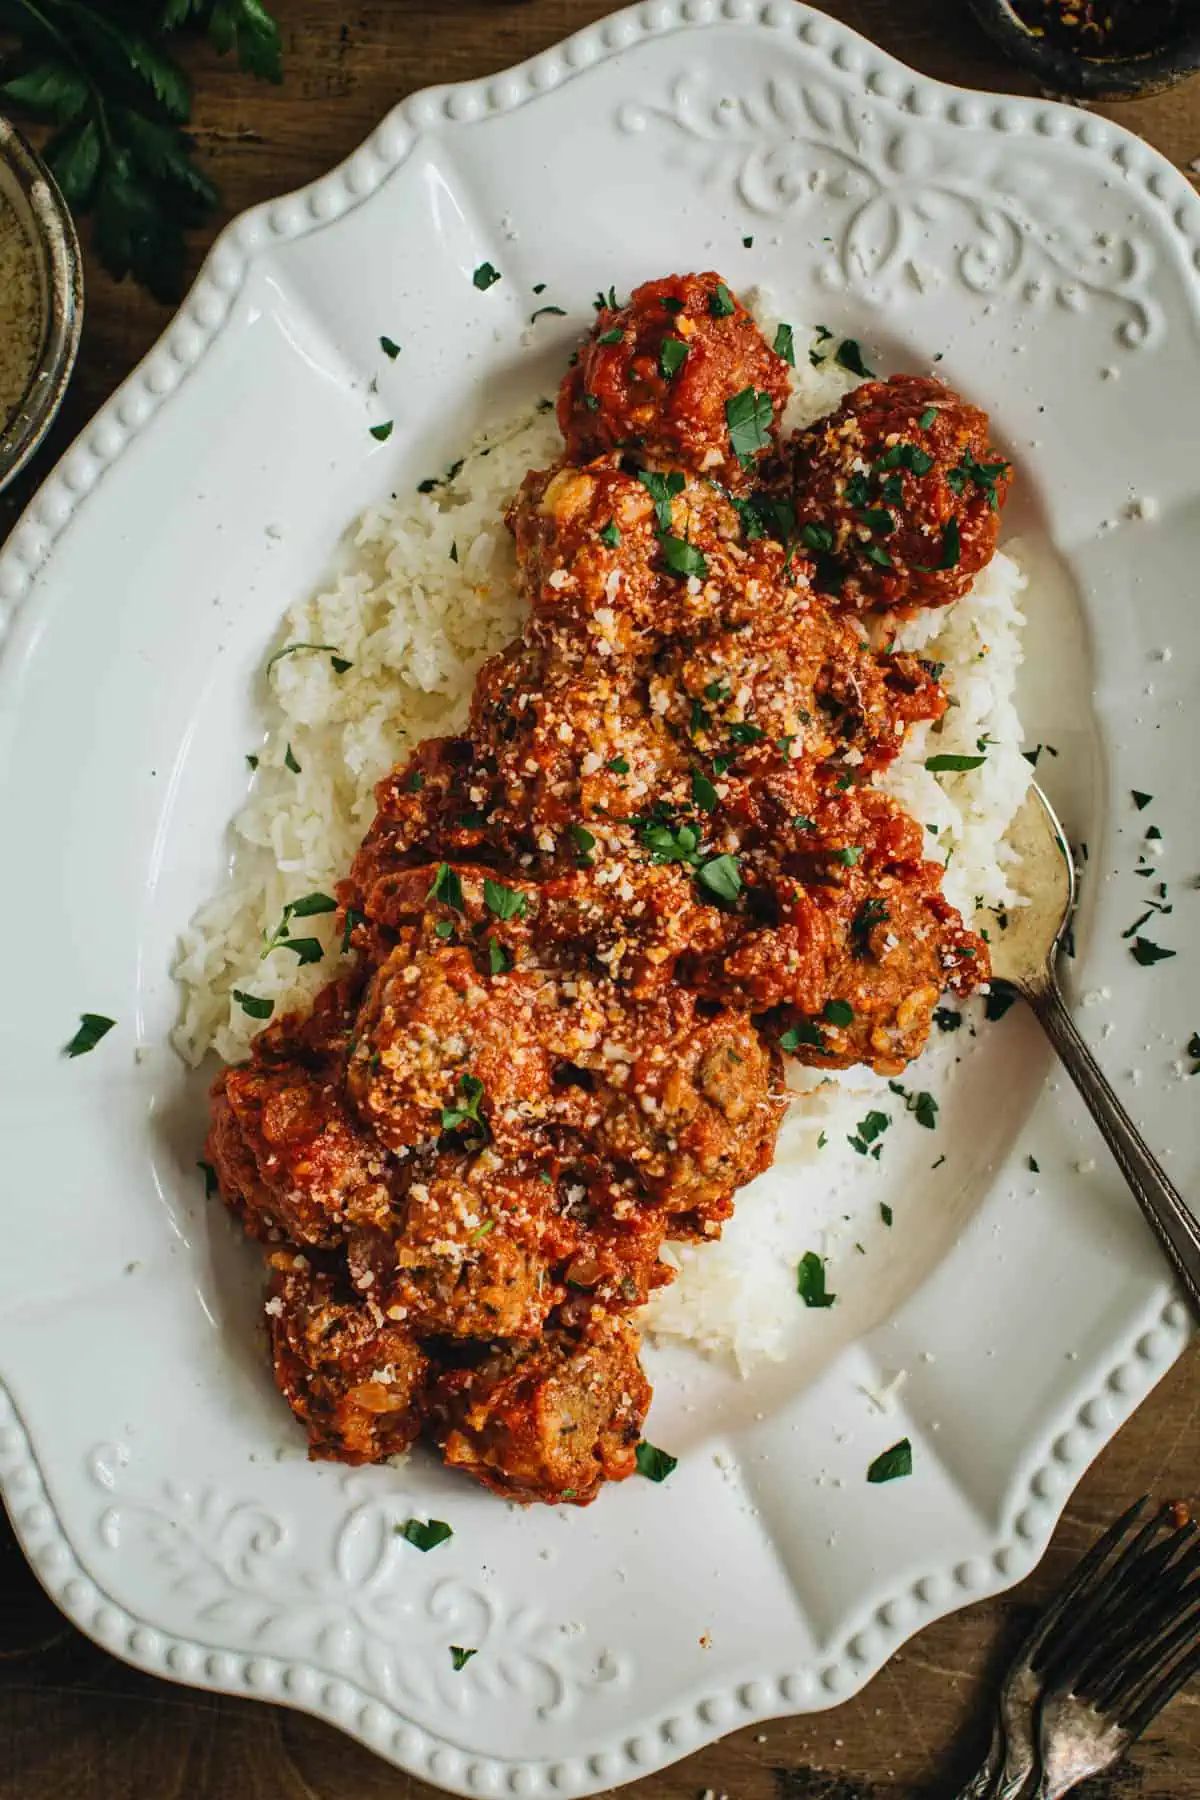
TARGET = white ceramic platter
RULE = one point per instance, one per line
(155, 1480)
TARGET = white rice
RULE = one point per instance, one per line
(415, 626)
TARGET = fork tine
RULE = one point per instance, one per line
(1180, 1631)
(1134, 1620)
(1156, 1697)
(1094, 1587)
(1040, 1642)
(1137, 1647)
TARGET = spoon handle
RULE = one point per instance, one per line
(1172, 1222)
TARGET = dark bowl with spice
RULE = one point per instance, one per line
(1098, 49)
(41, 299)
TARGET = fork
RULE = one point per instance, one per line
(1112, 1648)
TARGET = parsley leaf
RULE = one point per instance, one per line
(610, 534)
(339, 662)
(704, 794)
(661, 489)
(671, 356)
(289, 760)
(1140, 800)
(446, 887)
(817, 537)
(460, 1657)
(785, 344)
(681, 557)
(838, 1012)
(749, 416)
(870, 914)
(499, 961)
(892, 1464)
(886, 1213)
(1147, 953)
(810, 1281)
(851, 357)
(559, 312)
(722, 878)
(469, 1094)
(424, 1534)
(486, 276)
(253, 1005)
(927, 417)
(381, 433)
(92, 1027)
(947, 764)
(505, 902)
(905, 456)
(946, 1019)
(806, 1034)
(720, 302)
(611, 337)
(211, 1184)
(654, 1464)
(390, 347)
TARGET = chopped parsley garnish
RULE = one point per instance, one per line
(743, 732)
(857, 490)
(681, 557)
(998, 1001)
(984, 475)
(704, 794)
(559, 312)
(748, 243)
(610, 534)
(353, 918)
(892, 490)
(1152, 831)
(460, 1657)
(611, 337)
(851, 357)
(470, 1093)
(800, 823)
(289, 760)
(1032, 1164)
(1133, 929)
(485, 277)
(1147, 953)
(653, 1463)
(661, 489)
(848, 856)
(810, 1281)
(946, 1019)
(905, 456)
(583, 839)
(252, 761)
(446, 887)
(1141, 801)
(927, 417)
(454, 551)
(892, 1464)
(671, 843)
(390, 347)
(806, 1034)
(308, 950)
(339, 662)
(870, 913)
(817, 537)
(717, 691)
(618, 764)
(92, 1027)
(838, 1012)
(671, 356)
(253, 1006)
(499, 961)
(211, 1184)
(877, 518)
(381, 433)
(925, 1107)
(722, 878)
(785, 344)
(749, 416)
(673, 304)
(951, 550)
(885, 1213)
(608, 300)
(941, 765)
(720, 302)
(424, 1534)
(869, 1128)
(505, 902)
(877, 554)
(444, 928)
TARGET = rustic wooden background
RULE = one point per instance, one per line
(75, 1725)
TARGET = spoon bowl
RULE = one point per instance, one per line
(1025, 940)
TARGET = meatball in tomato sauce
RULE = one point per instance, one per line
(681, 377)
(898, 494)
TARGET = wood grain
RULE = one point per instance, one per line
(74, 1724)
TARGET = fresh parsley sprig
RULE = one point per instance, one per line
(101, 75)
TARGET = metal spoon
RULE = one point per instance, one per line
(1023, 958)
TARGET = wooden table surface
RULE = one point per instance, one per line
(74, 1724)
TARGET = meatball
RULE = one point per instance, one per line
(550, 1421)
(682, 376)
(898, 494)
(288, 1157)
(355, 1379)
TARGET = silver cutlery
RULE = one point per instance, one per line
(1113, 1647)
(1024, 953)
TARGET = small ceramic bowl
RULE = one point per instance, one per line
(1064, 71)
(32, 192)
